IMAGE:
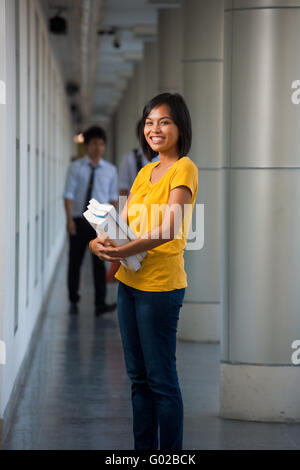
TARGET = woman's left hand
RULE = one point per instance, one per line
(106, 250)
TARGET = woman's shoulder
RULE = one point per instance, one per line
(147, 168)
(152, 164)
(186, 163)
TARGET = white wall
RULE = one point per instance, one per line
(31, 203)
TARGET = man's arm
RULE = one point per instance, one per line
(71, 227)
(70, 188)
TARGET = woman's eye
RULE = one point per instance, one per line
(148, 123)
(165, 123)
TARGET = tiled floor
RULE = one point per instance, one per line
(77, 394)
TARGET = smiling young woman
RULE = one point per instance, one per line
(150, 299)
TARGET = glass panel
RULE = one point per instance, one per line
(17, 244)
(54, 135)
(42, 147)
(37, 136)
(28, 148)
(27, 266)
(50, 143)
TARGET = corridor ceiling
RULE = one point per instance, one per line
(105, 39)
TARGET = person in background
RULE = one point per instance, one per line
(130, 166)
(87, 178)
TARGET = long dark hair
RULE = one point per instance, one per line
(180, 115)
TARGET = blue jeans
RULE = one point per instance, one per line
(148, 326)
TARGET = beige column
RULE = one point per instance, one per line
(260, 375)
(202, 87)
(169, 50)
(151, 70)
(110, 150)
(140, 86)
(126, 118)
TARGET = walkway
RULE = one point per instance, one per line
(77, 394)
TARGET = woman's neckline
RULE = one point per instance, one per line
(155, 165)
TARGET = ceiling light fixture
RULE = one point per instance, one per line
(79, 139)
(57, 24)
(112, 31)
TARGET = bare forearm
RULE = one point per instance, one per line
(113, 253)
(157, 236)
(140, 245)
(68, 209)
(71, 226)
(147, 242)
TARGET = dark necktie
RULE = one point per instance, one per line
(138, 159)
(90, 187)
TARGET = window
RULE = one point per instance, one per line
(50, 144)
(28, 148)
(43, 150)
(37, 139)
(17, 240)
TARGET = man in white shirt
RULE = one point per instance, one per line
(131, 164)
(89, 177)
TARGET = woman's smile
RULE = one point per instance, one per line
(156, 140)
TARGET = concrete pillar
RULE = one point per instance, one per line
(140, 87)
(151, 70)
(126, 121)
(202, 86)
(110, 147)
(261, 229)
(169, 50)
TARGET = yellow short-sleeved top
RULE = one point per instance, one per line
(163, 267)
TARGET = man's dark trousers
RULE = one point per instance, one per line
(78, 244)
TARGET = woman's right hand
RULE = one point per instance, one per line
(98, 245)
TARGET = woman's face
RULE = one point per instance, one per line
(161, 132)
